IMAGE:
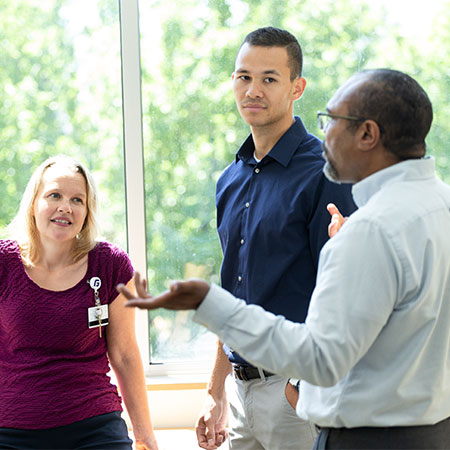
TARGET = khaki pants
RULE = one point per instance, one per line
(261, 418)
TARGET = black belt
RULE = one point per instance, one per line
(246, 373)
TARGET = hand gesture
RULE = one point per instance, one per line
(181, 295)
(210, 426)
(337, 219)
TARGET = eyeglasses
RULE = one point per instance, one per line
(323, 118)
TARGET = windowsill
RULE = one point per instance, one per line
(177, 382)
(175, 399)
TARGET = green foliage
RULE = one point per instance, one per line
(52, 102)
(60, 93)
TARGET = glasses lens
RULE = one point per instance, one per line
(323, 120)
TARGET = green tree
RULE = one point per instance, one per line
(56, 98)
(192, 129)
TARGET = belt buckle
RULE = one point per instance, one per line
(240, 373)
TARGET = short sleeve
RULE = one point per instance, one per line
(113, 266)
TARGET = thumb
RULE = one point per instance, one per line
(332, 209)
(175, 286)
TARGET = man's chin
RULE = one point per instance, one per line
(330, 172)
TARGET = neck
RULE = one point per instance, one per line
(54, 256)
(380, 160)
(267, 136)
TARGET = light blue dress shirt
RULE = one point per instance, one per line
(375, 347)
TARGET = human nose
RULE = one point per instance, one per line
(254, 90)
(65, 206)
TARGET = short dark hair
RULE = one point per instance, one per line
(399, 105)
(275, 37)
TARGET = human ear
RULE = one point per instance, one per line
(299, 87)
(369, 135)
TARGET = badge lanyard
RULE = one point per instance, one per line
(98, 314)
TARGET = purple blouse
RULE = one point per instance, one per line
(53, 368)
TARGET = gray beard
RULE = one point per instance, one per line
(330, 172)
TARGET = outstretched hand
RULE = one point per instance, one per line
(337, 219)
(182, 295)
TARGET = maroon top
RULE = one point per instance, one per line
(53, 368)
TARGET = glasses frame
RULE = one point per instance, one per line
(321, 124)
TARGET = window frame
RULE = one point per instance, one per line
(135, 189)
(134, 154)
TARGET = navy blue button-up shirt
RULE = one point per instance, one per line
(272, 222)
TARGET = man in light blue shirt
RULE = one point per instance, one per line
(374, 352)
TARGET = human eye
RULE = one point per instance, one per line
(54, 195)
(78, 200)
(269, 80)
(243, 77)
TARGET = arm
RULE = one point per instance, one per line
(210, 426)
(125, 359)
(354, 298)
(356, 291)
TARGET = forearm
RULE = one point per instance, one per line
(222, 368)
(320, 354)
(130, 377)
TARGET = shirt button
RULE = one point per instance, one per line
(257, 170)
(242, 241)
(239, 278)
(247, 204)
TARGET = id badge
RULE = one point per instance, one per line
(98, 315)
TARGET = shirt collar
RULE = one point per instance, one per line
(282, 151)
(411, 169)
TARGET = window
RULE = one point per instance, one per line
(192, 130)
(60, 92)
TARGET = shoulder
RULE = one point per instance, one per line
(10, 259)
(229, 170)
(307, 157)
(111, 263)
(107, 251)
(230, 175)
(313, 144)
(8, 247)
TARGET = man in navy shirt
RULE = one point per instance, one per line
(272, 222)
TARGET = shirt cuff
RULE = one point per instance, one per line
(216, 309)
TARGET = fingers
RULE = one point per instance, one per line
(332, 209)
(334, 226)
(141, 286)
(337, 219)
(141, 304)
(122, 289)
(161, 301)
(204, 438)
(182, 295)
(211, 436)
(221, 437)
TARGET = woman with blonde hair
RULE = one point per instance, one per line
(62, 323)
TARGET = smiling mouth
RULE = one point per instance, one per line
(64, 222)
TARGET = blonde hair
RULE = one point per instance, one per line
(23, 227)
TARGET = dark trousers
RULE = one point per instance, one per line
(417, 437)
(107, 431)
